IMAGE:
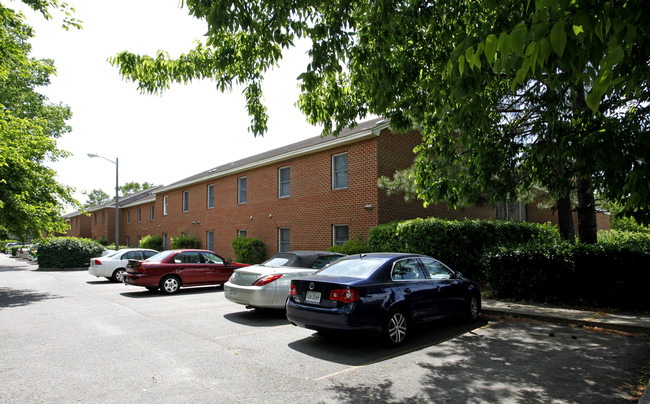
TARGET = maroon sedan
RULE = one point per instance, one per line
(169, 270)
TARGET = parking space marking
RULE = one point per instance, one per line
(173, 313)
(395, 355)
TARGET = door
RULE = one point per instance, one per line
(409, 279)
(449, 290)
(190, 268)
(216, 271)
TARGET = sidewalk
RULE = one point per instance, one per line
(630, 322)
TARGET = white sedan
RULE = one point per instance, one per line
(267, 285)
(112, 266)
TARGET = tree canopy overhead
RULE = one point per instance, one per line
(31, 200)
(508, 95)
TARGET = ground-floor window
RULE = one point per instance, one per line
(340, 233)
(128, 243)
(285, 239)
(209, 240)
(164, 236)
(511, 210)
(242, 233)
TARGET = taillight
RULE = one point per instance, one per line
(293, 291)
(98, 262)
(345, 295)
(267, 279)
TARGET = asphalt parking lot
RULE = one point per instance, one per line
(69, 337)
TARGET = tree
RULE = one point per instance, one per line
(31, 200)
(95, 197)
(508, 96)
(133, 187)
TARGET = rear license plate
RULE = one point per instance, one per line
(312, 297)
(232, 293)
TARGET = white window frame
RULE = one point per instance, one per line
(241, 190)
(284, 245)
(186, 201)
(286, 182)
(210, 192)
(165, 205)
(335, 184)
(209, 240)
(334, 234)
(242, 233)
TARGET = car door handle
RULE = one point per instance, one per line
(407, 291)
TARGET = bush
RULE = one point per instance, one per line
(185, 242)
(627, 239)
(67, 252)
(356, 246)
(458, 243)
(102, 241)
(248, 250)
(602, 275)
(152, 241)
(628, 224)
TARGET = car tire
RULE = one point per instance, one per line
(118, 275)
(471, 308)
(396, 328)
(170, 284)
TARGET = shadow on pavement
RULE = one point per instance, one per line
(258, 318)
(22, 297)
(357, 350)
(138, 292)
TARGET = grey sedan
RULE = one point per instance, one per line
(267, 285)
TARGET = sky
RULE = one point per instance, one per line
(158, 139)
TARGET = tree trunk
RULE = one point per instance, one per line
(587, 229)
(565, 219)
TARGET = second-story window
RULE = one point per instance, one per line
(128, 216)
(284, 182)
(242, 190)
(164, 205)
(139, 215)
(153, 210)
(210, 196)
(103, 217)
(186, 201)
(340, 171)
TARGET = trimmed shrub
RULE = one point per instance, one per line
(458, 243)
(67, 252)
(152, 241)
(601, 275)
(356, 246)
(185, 242)
(248, 250)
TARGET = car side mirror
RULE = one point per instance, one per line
(459, 275)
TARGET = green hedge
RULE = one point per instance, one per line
(612, 275)
(355, 246)
(248, 250)
(458, 243)
(67, 252)
(152, 241)
(185, 242)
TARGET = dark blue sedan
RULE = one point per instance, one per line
(381, 294)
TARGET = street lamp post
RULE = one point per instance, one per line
(117, 210)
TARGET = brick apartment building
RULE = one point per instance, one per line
(308, 195)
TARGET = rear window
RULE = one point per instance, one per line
(275, 262)
(354, 268)
(160, 256)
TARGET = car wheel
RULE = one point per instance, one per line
(396, 328)
(118, 275)
(170, 284)
(471, 313)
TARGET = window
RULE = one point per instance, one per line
(340, 171)
(128, 241)
(139, 215)
(139, 239)
(103, 217)
(341, 234)
(188, 257)
(186, 201)
(164, 236)
(209, 240)
(241, 190)
(511, 210)
(164, 205)
(285, 239)
(436, 269)
(241, 232)
(95, 218)
(128, 216)
(152, 211)
(407, 270)
(210, 196)
(284, 183)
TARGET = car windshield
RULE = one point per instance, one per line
(275, 262)
(160, 256)
(355, 268)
